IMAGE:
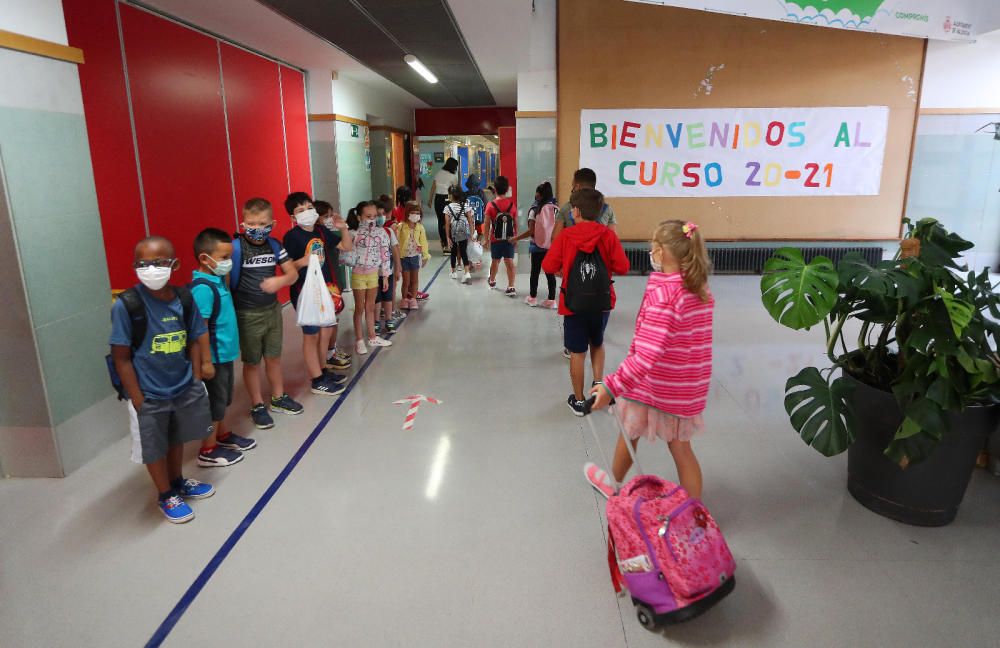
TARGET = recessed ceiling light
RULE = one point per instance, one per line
(421, 69)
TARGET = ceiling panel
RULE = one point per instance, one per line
(379, 33)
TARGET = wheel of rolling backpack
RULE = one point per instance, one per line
(646, 617)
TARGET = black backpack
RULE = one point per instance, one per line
(137, 313)
(503, 222)
(588, 286)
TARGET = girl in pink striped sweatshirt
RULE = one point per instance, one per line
(661, 388)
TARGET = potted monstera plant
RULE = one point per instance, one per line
(913, 380)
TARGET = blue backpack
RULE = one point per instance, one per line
(478, 208)
(234, 274)
(213, 319)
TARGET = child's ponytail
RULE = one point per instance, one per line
(686, 244)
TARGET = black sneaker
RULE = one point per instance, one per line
(285, 405)
(338, 362)
(566, 353)
(261, 418)
(336, 379)
(578, 407)
(219, 457)
(324, 386)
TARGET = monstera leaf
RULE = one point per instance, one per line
(959, 312)
(938, 246)
(820, 411)
(795, 293)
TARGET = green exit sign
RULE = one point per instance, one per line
(354, 130)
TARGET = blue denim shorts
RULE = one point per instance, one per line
(502, 250)
(411, 263)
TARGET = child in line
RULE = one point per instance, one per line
(213, 250)
(501, 226)
(301, 242)
(403, 196)
(255, 284)
(584, 179)
(459, 228)
(585, 330)
(160, 370)
(385, 300)
(661, 388)
(413, 247)
(541, 220)
(337, 360)
(372, 268)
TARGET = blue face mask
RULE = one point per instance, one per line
(257, 234)
(379, 221)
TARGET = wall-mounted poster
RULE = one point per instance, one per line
(713, 152)
(439, 157)
(940, 19)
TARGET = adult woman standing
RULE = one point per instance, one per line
(443, 181)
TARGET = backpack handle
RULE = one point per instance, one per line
(621, 431)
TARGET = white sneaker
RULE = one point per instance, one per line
(454, 275)
(379, 342)
(467, 278)
(360, 347)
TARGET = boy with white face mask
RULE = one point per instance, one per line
(213, 250)
(156, 339)
(302, 241)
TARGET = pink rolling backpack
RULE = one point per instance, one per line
(665, 548)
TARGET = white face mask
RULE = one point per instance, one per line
(414, 218)
(222, 268)
(153, 277)
(307, 218)
(657, 267)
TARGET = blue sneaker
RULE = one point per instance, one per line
(261, 418)
(219, 457)
(176, 510)
(324, 386)
(285, 405)
(237, 442)
(194, 489)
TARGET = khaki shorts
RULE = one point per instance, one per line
(261, 330)
(364, 281)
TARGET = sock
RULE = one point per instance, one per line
(177, 483)
(205, 449)
(166, 494)
(223, 437)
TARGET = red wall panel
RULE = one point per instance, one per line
(173, 73)
(508, 156)
(293, 90)
(92, 26)
(256, 135)
(462, 121)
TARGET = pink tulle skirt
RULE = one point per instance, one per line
(641, 420)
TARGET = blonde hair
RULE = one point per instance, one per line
(689, 250)
(413, 207)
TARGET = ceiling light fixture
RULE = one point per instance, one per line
(421, 69)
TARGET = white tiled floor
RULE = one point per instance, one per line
(357, 549)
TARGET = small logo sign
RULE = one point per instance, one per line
(947, 24)
(354, 130)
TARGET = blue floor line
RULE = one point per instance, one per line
(206, 574)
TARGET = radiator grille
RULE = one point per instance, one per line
(750, 260)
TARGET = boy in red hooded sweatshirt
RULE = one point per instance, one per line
(587, 256)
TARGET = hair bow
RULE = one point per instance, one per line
(689, 229)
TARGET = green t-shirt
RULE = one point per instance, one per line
(565, 215)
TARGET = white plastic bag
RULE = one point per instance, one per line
(315, 307)
(475, 251)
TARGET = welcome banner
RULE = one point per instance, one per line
(940, 19)
(714, 152)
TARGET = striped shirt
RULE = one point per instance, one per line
(669, 364)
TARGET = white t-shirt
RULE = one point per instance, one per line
(443, 181)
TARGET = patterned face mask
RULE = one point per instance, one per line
(257, 233)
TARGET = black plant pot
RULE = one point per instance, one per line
(924, 494)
